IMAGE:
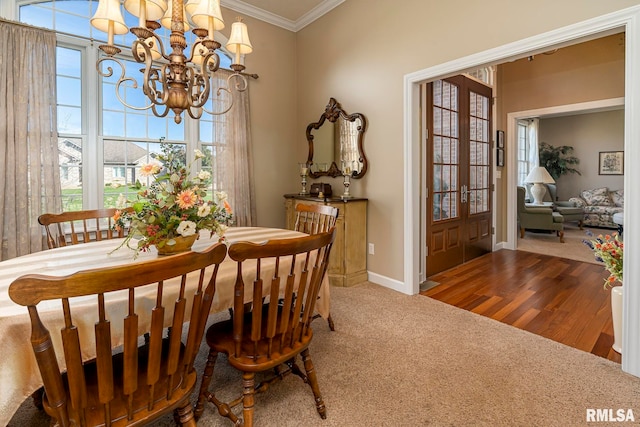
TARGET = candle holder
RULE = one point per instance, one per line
(304, 172)
(346, 172)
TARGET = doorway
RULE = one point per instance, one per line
(458, 179)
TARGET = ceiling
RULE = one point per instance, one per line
(292, 15)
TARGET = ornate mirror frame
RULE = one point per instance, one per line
(332, 113)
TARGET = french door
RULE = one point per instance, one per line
(458, 179)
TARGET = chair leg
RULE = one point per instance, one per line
(313, 382)
(561, 234)
(522, 232)
(332, 326)
(206, 380)
(248, 397)
(185, 415)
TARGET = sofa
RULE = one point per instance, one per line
(599, 206)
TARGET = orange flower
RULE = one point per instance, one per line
(187, 199)
(227, 207)
(149, 169)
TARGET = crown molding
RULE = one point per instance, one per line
(277, 20)
(315, 13)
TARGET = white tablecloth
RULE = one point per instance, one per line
(19, 375)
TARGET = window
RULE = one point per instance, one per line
(96, 131)
(523, 152)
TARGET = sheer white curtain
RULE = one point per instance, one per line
(534, 155)
(29, 177)
(233, 162)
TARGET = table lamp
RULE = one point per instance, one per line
(538, 176)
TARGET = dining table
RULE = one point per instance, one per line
(19, 373)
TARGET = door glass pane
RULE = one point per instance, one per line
(479, 153)
(445, 151)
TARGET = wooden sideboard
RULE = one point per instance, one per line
(348, 259)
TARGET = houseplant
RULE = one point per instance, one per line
(170, 213)
(557, 160)
(609, 249)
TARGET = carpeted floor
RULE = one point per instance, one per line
(398, 360)
(572, 248)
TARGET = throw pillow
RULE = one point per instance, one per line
(597, 197)
(617, 197)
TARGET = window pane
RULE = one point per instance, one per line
(69, 91)
(68, 62)
(69, 119)
(76, 25)
(113, 123)
(70, 154)
(37, 15)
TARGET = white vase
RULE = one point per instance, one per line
(616, 314)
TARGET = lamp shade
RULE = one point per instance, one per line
(146, 10)
(239, 40)
(539, 175)
(207, 15)
(109, 12)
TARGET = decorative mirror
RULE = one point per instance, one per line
(335, 143)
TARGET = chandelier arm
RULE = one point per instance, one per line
(162, 113)
(202, 82)
(241, 85)
(195, 113)
(150, 73)
(226, 110)
(121, 80)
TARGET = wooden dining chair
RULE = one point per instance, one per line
(140, 383)
(313, 219)
(73, 227)
(271, 332)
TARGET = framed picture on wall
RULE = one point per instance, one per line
(611, 163)
(499, 157)
(500, 139)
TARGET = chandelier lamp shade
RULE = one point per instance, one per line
(171, 81)
(538, 177)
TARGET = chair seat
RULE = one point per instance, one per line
(220, 338)
(569, 211)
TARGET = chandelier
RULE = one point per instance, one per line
(172, 81)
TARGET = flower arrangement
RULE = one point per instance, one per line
(608, 249)
(175, 205)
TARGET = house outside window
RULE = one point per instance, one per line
(95, 129)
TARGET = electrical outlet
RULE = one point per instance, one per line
(372, 249)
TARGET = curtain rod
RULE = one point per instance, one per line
(22, 24)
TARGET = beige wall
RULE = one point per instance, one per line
(588, 134)
(359, 54)
(273, 99)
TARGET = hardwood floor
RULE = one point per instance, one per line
(557, 298)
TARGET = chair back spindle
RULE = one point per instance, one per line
(314, 219)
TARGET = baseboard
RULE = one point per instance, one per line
(387, 282)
